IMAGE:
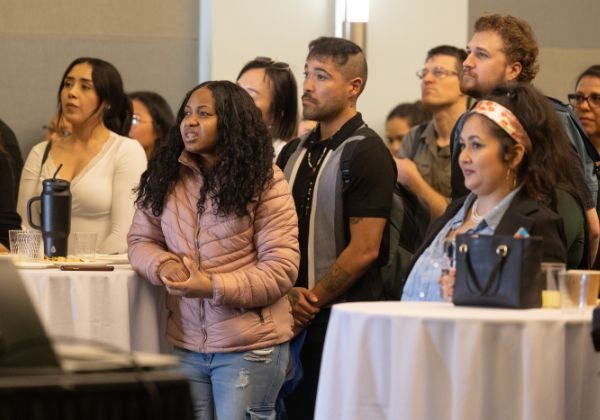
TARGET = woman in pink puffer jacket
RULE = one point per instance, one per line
(216, 225)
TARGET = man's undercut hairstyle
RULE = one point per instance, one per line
(593, 71)
(520, 44)
(458, 53)
(348, 56)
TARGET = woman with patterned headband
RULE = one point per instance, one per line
(513, 155)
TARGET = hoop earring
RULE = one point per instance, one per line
(511, 179)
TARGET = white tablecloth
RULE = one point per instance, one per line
(434, 361)
(118, 307)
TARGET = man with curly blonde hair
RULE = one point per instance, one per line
(502, 49)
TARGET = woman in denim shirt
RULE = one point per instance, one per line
(513, 155)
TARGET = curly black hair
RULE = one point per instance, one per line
(243, 166)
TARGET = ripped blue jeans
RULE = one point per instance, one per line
(235, 386)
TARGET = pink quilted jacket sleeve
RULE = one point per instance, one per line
(146, 246)
(276, 267)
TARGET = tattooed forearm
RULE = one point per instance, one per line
(293, 297)
(336, 279)
(355, 220)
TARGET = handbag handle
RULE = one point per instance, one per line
(501, 252)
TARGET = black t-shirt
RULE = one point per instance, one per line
(368, 194)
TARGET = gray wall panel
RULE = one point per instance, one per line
(557, 23)
(153, 44)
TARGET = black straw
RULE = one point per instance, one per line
(58, 169)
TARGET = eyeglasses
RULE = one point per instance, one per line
(279, 65)
(576, 99)
(438, 73)
(135, 120)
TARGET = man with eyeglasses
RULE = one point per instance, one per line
(586, 103)
(504, 49)
(424, 155)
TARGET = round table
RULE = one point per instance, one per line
(117, 308)
(419, 360)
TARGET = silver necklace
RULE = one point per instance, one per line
(319, 160)
(475, 217)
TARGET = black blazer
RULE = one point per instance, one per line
(525, 212)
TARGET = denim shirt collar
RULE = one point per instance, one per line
(492, 219)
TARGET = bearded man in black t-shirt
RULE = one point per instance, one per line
(342, 217)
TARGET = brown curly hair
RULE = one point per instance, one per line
(548, 167)
(520, 44)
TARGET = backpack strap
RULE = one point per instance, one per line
(418, 133)
(348, 152)
(345, 162)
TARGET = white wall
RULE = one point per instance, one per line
(280, 29)
(400, 32)
(155, 44)
(399, 35)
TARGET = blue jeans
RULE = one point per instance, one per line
(235, 386)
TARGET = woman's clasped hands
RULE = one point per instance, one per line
(186, 280)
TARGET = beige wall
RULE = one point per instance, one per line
(568, 33)
(280, 29)
(152, 43)
(397, 41)
(399, 35)
(155, 44)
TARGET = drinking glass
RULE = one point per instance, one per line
(551, 292)
(85, 245)
(578, 288)
(12, 240)
(30, 246)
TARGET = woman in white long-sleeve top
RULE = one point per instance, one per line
(101, 164)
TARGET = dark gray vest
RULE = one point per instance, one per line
(326, 236)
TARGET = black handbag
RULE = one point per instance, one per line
(498, 271)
